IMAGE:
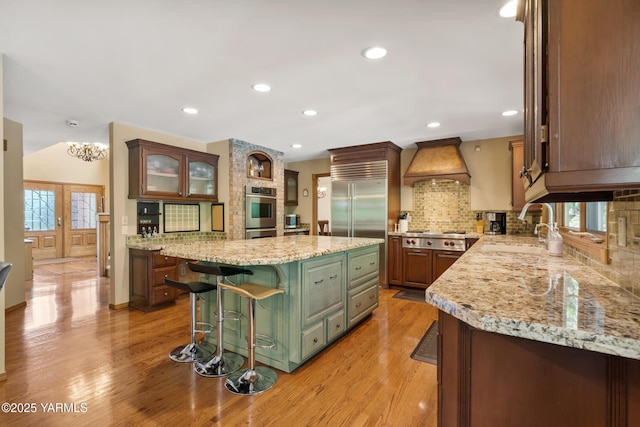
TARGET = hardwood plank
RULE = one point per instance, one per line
(66, 346)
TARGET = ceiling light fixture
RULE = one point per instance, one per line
(509, 9)
(509, 113)
(296, 145)
(374, 52)
(190, 110)
(433, 125)
(310, 113)
(87, 151)
(261, 87)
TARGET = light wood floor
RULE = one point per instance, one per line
(67, 347)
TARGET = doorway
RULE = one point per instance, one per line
(321, 184)
(61, 218)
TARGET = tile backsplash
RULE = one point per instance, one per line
(445, 205)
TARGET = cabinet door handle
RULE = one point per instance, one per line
(317, 282)
(372, 263)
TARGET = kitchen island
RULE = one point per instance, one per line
(530, 339)
(330, 284)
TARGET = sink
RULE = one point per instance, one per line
(538, 250)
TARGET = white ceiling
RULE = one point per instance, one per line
(139, 62)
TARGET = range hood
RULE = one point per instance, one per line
(438, 159)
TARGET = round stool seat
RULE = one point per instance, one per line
(193, 287)
(216, 270)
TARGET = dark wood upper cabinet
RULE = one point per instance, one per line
(164, 172)
(290, 188)
(582, 97)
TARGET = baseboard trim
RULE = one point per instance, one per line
(3, 377)
(15, 307)
(119, 306)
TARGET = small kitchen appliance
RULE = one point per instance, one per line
(290, 221)
(497, 222)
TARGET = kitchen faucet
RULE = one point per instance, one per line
(547, 205)
(554, 239)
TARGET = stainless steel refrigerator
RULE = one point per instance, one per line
(359, 203)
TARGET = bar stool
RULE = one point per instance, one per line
(192, 351)
(221, 363)
(253, 379)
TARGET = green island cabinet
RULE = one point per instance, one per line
(324, 297)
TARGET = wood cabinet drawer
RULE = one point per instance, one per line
(160, 273)
(313, 340)
(163, 261)
(323, 288)
(336, 325)
(362, 265)
(162, 294)
(362, 301)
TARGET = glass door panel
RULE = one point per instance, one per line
(163, 174)
(202, 179)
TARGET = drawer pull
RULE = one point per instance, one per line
(166, 275)
(166, 258)
(338, 326)
(359, 268)
(333, 277)
(166, 294)
(317, 282)
(372, 263)
(315, 340)
(358, 305)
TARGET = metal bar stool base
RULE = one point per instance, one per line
(215, 368)
(184, 353)
(247, 382)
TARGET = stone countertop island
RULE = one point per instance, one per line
(330, 284)
(533, 339)
(268, 251)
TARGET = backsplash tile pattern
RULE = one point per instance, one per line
(199, 236)
(181, 217)
(445, 205)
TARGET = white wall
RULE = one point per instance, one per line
(306, 171)
(3, 375)
(324, 204)
(14, 214)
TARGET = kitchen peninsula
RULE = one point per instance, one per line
(330, 284)
(526, 338)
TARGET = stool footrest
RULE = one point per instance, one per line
(268, 342)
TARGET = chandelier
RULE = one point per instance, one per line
(87, 151)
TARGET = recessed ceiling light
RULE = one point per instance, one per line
(190, 110)
(509, 9)
(374, 52)
(510, 113)
(310, 113)
(296, 146)
(261, 87)
(433, 125)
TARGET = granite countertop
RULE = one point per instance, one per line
(268, 251)
(510, 285)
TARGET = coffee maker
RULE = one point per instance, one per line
(497, 222)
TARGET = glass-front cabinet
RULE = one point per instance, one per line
(202, 176)
(163, 172)
(290, 188)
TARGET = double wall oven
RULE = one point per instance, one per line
(260, 212)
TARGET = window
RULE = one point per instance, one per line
(83, 210)
(39, 210)
(585, 217)
(580, 216)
